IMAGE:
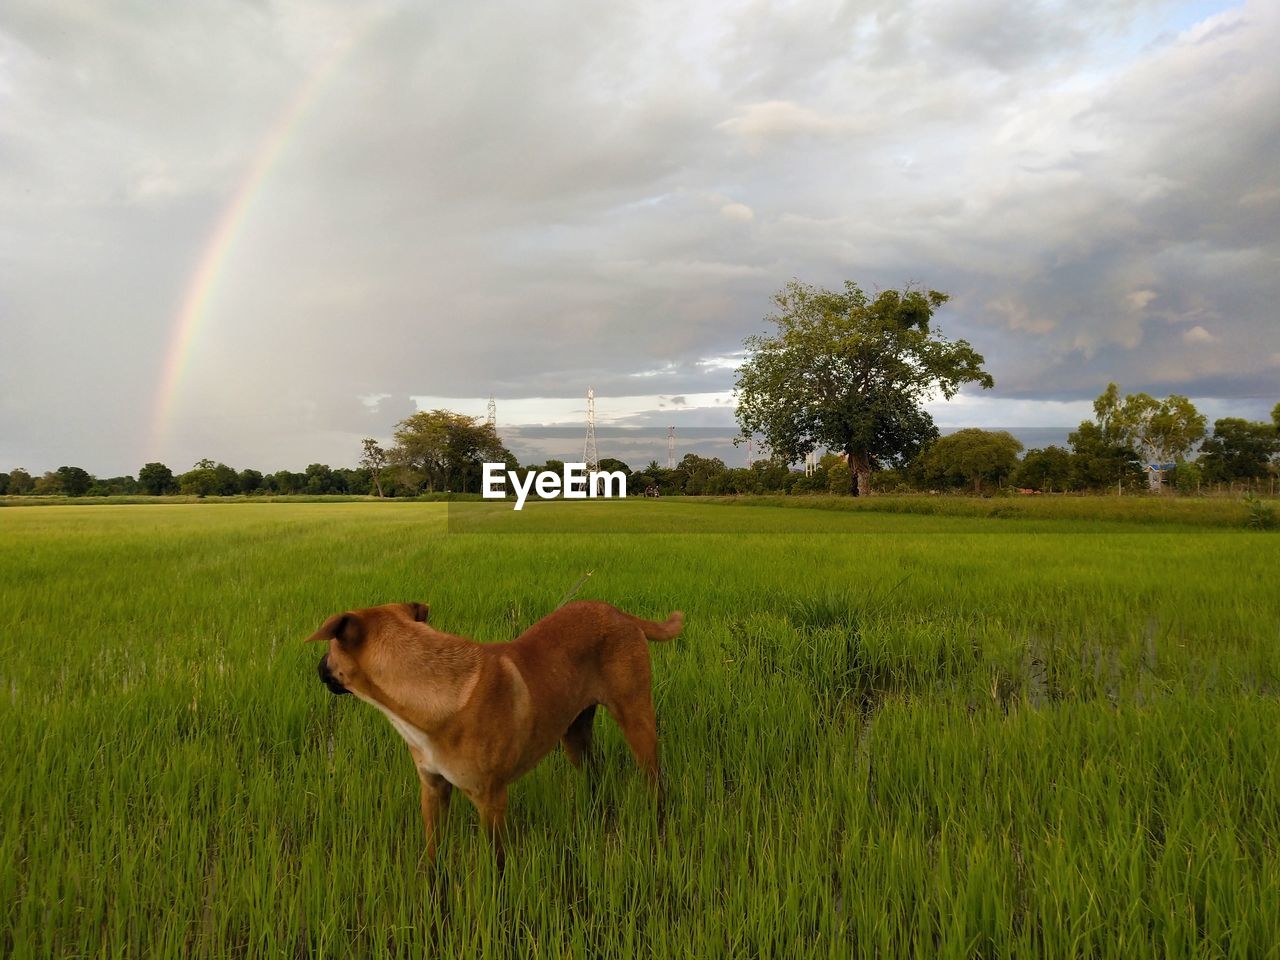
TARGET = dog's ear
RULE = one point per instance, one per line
(419, 612)
(346, 628)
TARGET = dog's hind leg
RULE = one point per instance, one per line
(577, 739)
(640, 728)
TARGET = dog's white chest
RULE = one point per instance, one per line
(427, 756)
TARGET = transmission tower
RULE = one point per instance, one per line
(590, 454)
(751, 446)
(671, 448)
(811, 463)
(493, 412)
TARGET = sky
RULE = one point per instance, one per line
(261, 231)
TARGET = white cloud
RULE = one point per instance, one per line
(1198, 334)
(783, 119)
(372, 401)
(729, 362)
(1138, 299)
(738, 211)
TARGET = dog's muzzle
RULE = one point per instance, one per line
(328, 679)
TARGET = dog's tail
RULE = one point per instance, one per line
(662, 631)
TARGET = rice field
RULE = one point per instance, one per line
(882, 735)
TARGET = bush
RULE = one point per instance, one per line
(1186, 477)
(1262, 515)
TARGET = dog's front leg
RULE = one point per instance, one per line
(436, 791)
(492, 806)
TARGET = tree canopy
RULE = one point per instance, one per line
(1046, 469)
(973, 456)
(850, 373)
(443, 450)
(1160, 431)
(157, 479)
(1238, 450)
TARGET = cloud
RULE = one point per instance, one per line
(1198, 334)
(372, 401)
(738, 211)
(782, 120)
(1138, 299)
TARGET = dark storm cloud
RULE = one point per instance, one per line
(528, 201)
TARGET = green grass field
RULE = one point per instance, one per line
(883, 734)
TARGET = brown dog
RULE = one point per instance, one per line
(477, 716)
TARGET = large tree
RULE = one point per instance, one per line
(850, 373)
(440, 449)
(1159, 431)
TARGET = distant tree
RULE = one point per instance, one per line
(440, 449)
(1187, 476)
(838, 477)
(49, 484)
(113, 487)
(198, 482)
(1275, 416)
(851, 374)
(643, 478)
(612, 464)
(974, 456)
(75, 481)
(639, 483)
(285, 482)
(20, 482)
(250, 481)
(4, 483)
(1102, 461)
(1044, 469)
(374, 459)
(893, 480)
(156, 479)
(699, 472)
(1238, 450)
(358, 481)
(205, 464)
(774, 474)
(816, 482)
(322, 480)
(743, 481)
(226, 480)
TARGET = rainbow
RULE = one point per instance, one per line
(200, 290)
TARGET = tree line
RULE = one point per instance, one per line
(440, 451)
(205, 479)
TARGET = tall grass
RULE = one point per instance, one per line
(883, 740)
